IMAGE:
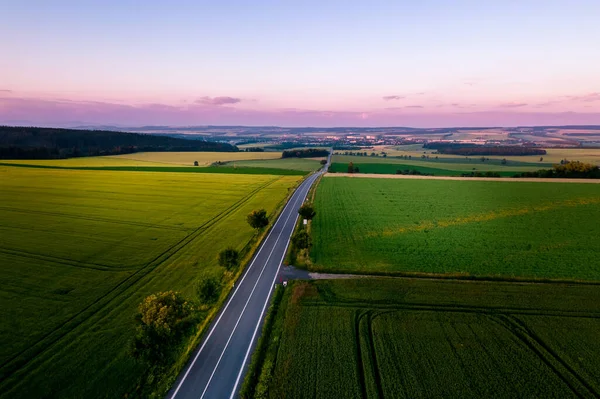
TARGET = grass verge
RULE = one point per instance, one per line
(161, 388)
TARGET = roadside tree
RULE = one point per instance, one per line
(163, 321)
(307, 211)
(258, 219)
(301, 240)
(229, 258)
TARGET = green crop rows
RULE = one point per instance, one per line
(79, 249)
(482, 228)
(438, 167)
(404, 338)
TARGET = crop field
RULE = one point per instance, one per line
(303, 164)
(203, 158)
(86, 162)
(79, 250)
(439, 167)
(553, 156)
(223, 169)
(482, 228)
(412, 338)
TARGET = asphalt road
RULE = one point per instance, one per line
(217, 368)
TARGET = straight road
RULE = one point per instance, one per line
(216, 369)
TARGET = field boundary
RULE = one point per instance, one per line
(314, 274)
(170, 377)
(14, 365)
(501, 179)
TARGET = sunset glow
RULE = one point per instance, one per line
(380, 63)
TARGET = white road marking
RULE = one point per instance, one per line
(228, 303)
(239, 376)
(246, 304)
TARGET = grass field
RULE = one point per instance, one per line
(410, 338)
(439, 167)
(87, 162)
(483, 228)
(303, 164)
(79, 249)
(225, 169)
(203, 158)
(554, 155)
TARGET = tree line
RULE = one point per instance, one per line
(474, 149)
(568, 170)
(54, 143)
(305, 153)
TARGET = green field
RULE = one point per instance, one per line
(79, 249)
(226, 169)
(302, 164)
(439, 167)
(482, 228)
(553, 156)
(411, 338)
(203, 158)
(152, 159)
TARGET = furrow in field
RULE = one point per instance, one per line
(578, 385)
(94, 219)
(63, 261)
(22, 358)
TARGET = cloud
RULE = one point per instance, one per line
(588, 98)
(218, 100)
(513, 105)
(46, 112)
(414, 106)
(5, 91)
(390, 98)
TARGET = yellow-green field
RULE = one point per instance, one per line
(85, 162)
(80, 249)
(152, 159)
(304, 164)
(203, 158)
(554, 155)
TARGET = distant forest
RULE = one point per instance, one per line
(307, 153)
(51, 143)
(473, 149)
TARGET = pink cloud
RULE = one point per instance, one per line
(390, 98)
(218, 100)
(512, 105)
(586, 97)
(64, 112)
(414, 106)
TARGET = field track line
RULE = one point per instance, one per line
(93, 219)
(543, 352)
(502, 179)
(459, 309)
(158, 260)
(62, 261)
(358, 315)
(531, 334)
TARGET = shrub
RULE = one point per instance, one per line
(209, 290)
(229, 258)
(258, 219)
(164, 320)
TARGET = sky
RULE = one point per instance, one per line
(427, 63)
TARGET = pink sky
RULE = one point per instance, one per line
(312, 63)
(390, 109)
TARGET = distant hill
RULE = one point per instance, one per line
(51, 143)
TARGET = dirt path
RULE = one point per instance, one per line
(291, 273)
(504, 179)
